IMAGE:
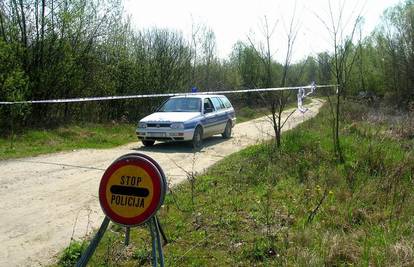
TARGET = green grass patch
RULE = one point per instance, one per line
(72, 253)
(248, 113)
(296, 206)
(36, 142)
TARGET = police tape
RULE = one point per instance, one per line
(302, 95)
(106, 98)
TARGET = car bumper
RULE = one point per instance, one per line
(165, 135)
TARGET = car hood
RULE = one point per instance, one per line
(170, 116)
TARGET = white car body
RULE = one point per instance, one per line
(180, 124)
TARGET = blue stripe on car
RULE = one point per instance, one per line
(213, 121)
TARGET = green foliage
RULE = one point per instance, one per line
(384, 60)
(250, 66)
(72, 253)
(13, 87)
(88, 48)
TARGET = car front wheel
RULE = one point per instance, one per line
(148, 142)
(227, 131)
(198, 138)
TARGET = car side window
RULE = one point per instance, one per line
(226, 102)
(221, 103)
(217, 103)
(208, 105)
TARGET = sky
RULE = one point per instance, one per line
(236, 20)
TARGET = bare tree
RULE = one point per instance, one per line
(282, 97)
(209, 51)
(277, 101)
(361, 59)
(195, 29)
(343, 61)
(2, 22)
(203, 54)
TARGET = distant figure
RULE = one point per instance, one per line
(301, 95)
(194, 89)
(313, 87)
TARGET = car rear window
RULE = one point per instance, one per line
(217, 103)
(225, 101)
(184, 104)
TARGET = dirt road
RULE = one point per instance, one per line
(47, 200)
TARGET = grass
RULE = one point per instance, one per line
(295, 206)
(36, 142)
(247, 113)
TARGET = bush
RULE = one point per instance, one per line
(72, 253)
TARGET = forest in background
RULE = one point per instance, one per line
(67, 49)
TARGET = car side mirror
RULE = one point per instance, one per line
(208, 110)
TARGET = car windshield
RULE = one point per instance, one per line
(186, 104)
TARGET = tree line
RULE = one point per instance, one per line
(65, 49)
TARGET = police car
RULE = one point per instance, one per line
(188, 118)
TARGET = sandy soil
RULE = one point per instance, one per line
(47, 200)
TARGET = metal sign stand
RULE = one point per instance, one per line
(127, 231)
(156, 243)
(161, 230)
(156, 232)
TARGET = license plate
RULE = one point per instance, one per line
(156, 134)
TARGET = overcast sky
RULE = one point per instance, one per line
(233, 20)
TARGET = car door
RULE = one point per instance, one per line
(229, 109)
(209, 117)
(221, 116)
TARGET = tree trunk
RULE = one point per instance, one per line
(3, 32)
(24, 34)
(336, 139)
(42, 35)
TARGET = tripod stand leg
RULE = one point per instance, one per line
(127, 231)
(164, 237)
(159, 245)
(154, 244)
(83, 261)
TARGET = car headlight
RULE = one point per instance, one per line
(142, 125)
(177, 125)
